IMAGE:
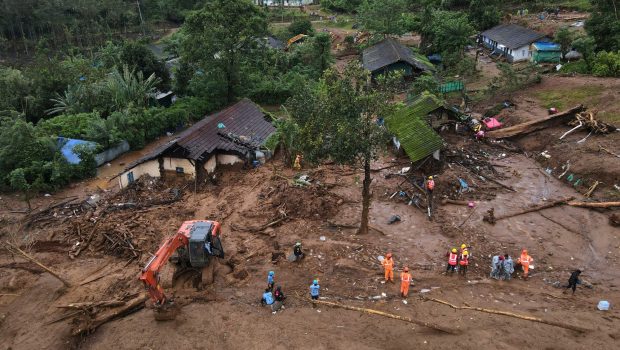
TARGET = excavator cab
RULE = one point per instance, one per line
(204, 241)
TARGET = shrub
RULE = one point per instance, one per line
(606, 64)
(68, 125)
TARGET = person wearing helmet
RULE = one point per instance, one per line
(405, 281)
(452, 257)
(267, 298)
(314, 290)
(525, 260)
(463, 262)
(388, 267)
(461, 250)
(270, 280)
(299, 254)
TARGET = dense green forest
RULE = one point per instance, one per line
(87, 69)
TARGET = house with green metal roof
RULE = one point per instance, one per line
(411, 128)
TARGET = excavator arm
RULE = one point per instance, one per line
(150, 273)
(202, 231)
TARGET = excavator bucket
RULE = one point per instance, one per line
(166, 312)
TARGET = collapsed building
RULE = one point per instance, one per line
(233, 135)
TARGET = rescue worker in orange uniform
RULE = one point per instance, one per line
(405, 281)
(452, 257)
(388, 266)
(463, 262)
(525, 260)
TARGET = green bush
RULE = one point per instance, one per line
(580, 67)
(68, 125)
(606, 64)
(300, 26)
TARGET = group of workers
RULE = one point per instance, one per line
(458, 260)
(405, 276)
(275, 299)
(502, 266)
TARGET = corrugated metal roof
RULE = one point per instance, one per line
(409, 125)
(390, 51)
(244, 118)
(512, 36)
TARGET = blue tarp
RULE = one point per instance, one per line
(542, 46)
(68, 148)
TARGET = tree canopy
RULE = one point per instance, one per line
(222, 35)
(385, 16)
(604, 24)
(337, 120)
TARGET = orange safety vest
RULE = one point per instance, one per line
(525, 260)
(388, 264)
(405, 277)
(452, 259)
(430, 184)
(464, 260)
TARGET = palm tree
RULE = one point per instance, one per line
(70, 102)
(130, 88)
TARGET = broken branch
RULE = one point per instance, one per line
(16, 249)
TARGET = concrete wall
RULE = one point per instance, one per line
(171, 164)
(520, 54)
(210, 165)
(228, 159)
(151, 167)
(111, 153)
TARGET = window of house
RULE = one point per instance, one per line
(130, 178)
(180, 170)
(523, 53)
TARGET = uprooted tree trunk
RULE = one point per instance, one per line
(365, 197)
(385, 314)
(510, 314)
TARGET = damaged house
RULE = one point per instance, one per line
(412, 128)
(232, 135)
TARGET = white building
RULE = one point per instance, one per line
(511, 40)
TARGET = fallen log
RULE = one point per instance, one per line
(15, 249)
(452, 201)
(127, 309)
(530, 210)
(526, 128)
(87, 305)
(510, 314)
(593, 204)
(385, 314)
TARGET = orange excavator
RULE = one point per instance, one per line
(190, 248)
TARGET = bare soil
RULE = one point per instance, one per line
(226, 312)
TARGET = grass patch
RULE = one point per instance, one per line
(575, 67)
(570, 96)
(609, 117)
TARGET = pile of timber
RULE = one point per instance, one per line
(526, 128)
(588, 120)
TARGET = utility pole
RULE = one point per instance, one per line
(141, 19)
